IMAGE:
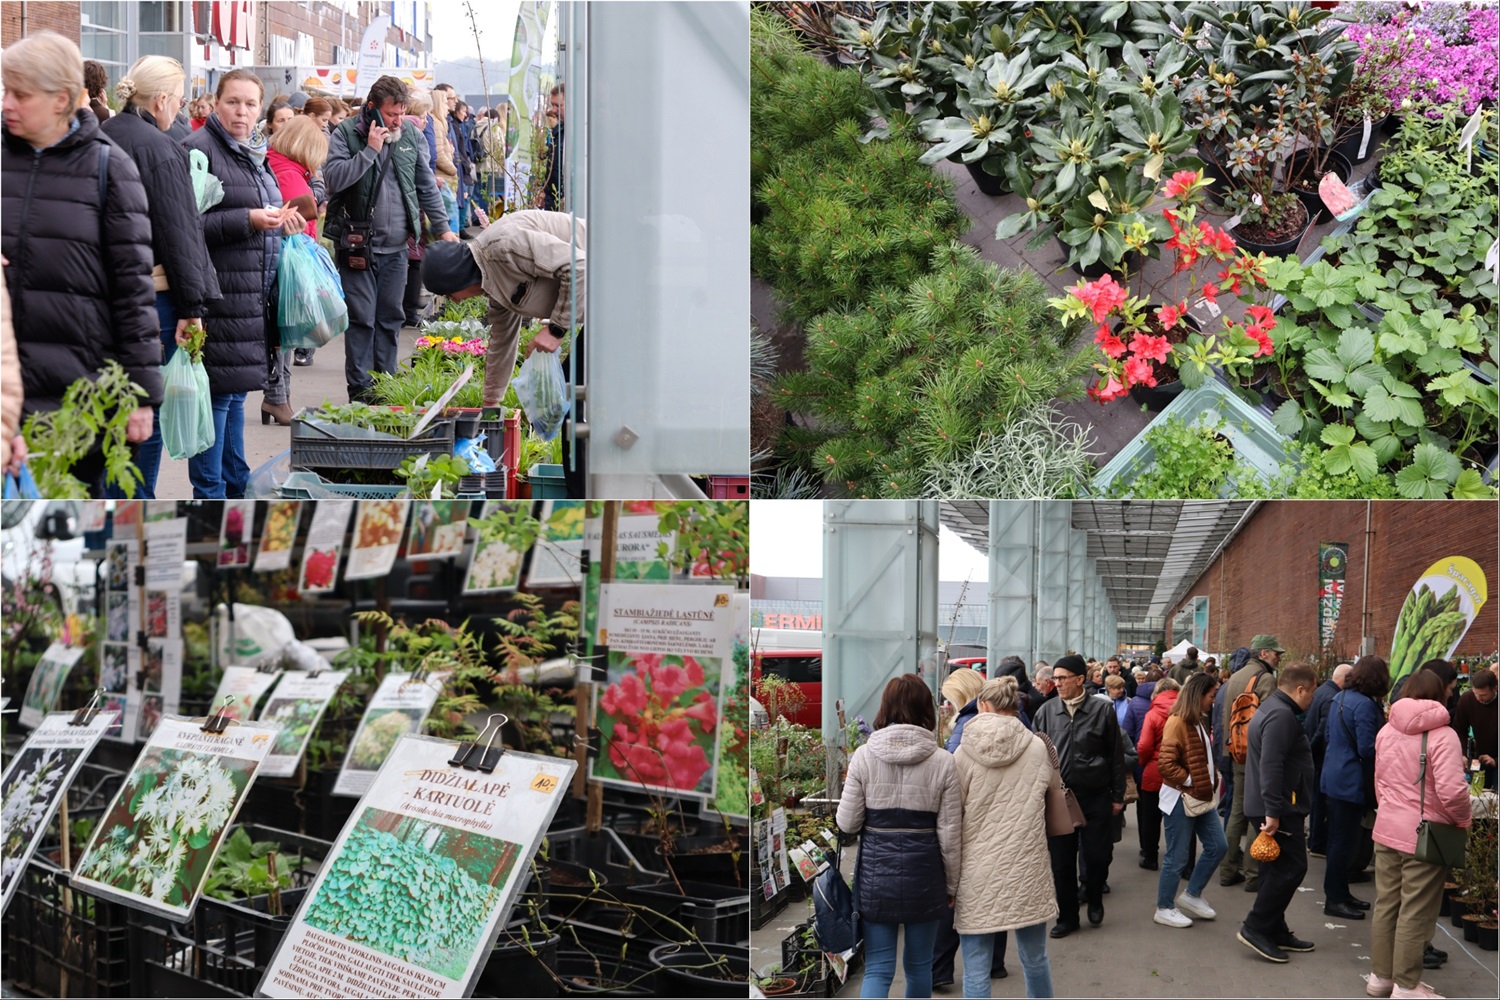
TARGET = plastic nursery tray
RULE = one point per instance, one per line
(311, 486)
(52, 934)
(1256, 441)
(322, 446)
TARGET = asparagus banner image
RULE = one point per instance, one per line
(1440, 608)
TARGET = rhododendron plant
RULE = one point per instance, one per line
(658, 719)
(1147, 337)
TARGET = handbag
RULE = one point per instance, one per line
(1366, 766)
(1437, 843)
(1197, 807)
(836, 908)
(1064, 814)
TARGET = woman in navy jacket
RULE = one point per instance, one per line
(1354, 718)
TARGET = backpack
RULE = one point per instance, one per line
(1241, 711)
(835, 909)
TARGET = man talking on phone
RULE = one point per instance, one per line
(379, 186)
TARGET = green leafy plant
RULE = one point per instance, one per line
(242, 868)
(380, 418)
(1186, 461)
(530, 634)
(95, 414)
(713, 536)
(437, 471)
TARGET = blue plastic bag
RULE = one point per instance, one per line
(472, 450)
(21, 486)
(543, 392)
(311, 310)
(187, 409)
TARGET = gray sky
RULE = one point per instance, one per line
(786, 539)
(452, 37)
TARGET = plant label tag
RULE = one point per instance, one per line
(1364, 140)
(437, 408)
(1234, 220)
(1211, 306)
(1466, 138)
(1492, 259)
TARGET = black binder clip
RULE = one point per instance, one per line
(218, 722)
(590, 744)
(269, 667)
(85, 716)
(140, 574)
(485, 760)
(419, 675)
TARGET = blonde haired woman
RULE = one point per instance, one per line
(150, 96)
(78, 271)
(1004, 772)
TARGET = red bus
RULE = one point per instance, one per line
(802, 667)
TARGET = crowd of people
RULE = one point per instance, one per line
(1214, 756)
(113, 253)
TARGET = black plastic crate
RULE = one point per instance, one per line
(60, 942)
(319, 447)
(717, 913)
(602, 851)
(275, 802)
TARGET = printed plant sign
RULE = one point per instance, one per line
(325, 542)
(277, 536)
(114, 666)
(47, 682)
(554, 558)
(117, 564)
(163, 614)
(34, 784)
(378, 527)
(495, 566)
(1437, 613)
(296, 706)
(118, 706)
(437, 529)
(732, 787)
(638, 542)
(235, 533)
(166, 550)
(247, 685)
(156, 843)
(420, 880)
(398, 709)
(117, 617)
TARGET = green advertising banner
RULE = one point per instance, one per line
(1333, 560)
(1443, 603)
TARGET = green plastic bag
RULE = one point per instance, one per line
(187, 410)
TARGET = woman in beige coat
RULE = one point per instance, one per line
(1004, 772)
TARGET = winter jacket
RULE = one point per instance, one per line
(461, 135)
(553, 197)
(1088, 744)
(1183, 760)
(1278, 761)
(295, 181)
(1342, 777)
(80, 287)
(1398, 748)
(902, 795)
(11, 392)
(962, 719)
(1315, 720)
(1141, 702)
(446, 171)
(1180, 672)
(1480, 720)
(181, 256)
(240, 323)
(1148, 746)
(1004, 773)
(407, 189)
(1130, 723)
(1017, 670)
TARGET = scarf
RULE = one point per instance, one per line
(1073, 704)
(257, 146)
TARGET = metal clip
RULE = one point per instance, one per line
(218, 722)
(489, 758)
(85, 715)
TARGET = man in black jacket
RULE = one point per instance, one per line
(1087, 737)
(1316, 727)
(1278, 795)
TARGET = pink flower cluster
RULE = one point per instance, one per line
(453, 345)
(1430, 69)
(659, 712)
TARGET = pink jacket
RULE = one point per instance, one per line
(293, 179)
(1397, 748)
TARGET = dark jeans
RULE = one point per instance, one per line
(1226, 771)
(411, 302)
(1343, 839)
(1278, 880)
(374, 298)
(1317, 816)
(1095, 843)
(221, 473)
(946, 947)
(148, 452)
(1148, 823)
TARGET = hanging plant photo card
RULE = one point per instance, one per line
(437, 529)
(420, 881)
(296, 706)
(555, 557)
(495, 567)
(235, 533)
(247, 685)
(325, 543)
(33, 787)
(658, 711)
(276, 538)
(398, 709)
(156, 843)
(732, 764)
(378, 527)
(47, 682)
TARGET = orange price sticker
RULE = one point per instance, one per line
(544, 783)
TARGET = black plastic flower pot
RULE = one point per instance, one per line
(694, 858)
(586, 973)
(1282, 247)
(520, 962)
(1458, 905)
(988, 183)
(1357, 147)
(701, 970)
(1487, 935)
(1471, 923)
(1298, 167)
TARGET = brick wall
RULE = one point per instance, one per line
(1267, 578)
(63, 18)
(322, 21)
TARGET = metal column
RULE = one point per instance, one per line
(1078, 547)
(1052, 573)
(880, 590)
(1090, 608)
(1012, 604)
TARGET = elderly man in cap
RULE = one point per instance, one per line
(1258, 674)
(1086, 734)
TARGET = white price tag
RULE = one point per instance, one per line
(1364, 141)
(1234, 220)
(1211, 306)
(1466, 138)
(1492, 259)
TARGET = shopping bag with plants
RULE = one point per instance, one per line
(543, 392)
(311, 310)
(187, 411)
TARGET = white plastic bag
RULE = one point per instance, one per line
(260, 635)
(543, 392)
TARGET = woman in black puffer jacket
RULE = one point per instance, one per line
(150, 95)
(243, 233)
(79, 283)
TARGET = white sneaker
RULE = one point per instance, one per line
(1196, 906)
(1421, 992)
(1172, 918)
(1377, 987)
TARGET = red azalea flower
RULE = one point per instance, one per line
(1261, 337)
(1262, 317)
(1180, 184)
(1210, 292)
(1109, 388)
(1139, 370)
(1143, 345)
(1169, 315)
(1102, 296)
(1112, 346)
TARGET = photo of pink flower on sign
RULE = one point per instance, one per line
(658, 718)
